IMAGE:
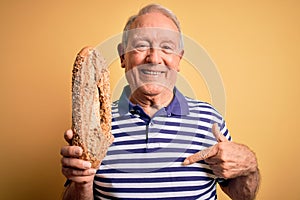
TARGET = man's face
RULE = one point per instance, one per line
(152, 54)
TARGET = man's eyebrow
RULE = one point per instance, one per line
(145, 37)
(176, 42)
(138, 36)
(168, 41)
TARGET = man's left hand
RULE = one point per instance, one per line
(226, 159)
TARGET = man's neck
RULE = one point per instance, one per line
(152, 103)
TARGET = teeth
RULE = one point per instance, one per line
(151, 72)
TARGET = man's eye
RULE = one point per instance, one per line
(141, 46)
(168, 48)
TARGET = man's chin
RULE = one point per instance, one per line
(152, 89)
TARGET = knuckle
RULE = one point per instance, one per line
(77, 172)
(62, 151)
(66, 151)
(222, 146)
(78, 150)
(226, 174)
(223, 165)
(192, 160)
(222, 158)
(66, 172)
(72, 151)
(196, 157)
(85, 164)
(65, 162)
(71, 163)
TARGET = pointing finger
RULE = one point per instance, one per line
(209, 152)
(217, 133)
(201, 155)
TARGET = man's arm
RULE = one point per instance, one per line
(77, 191)
(243, 187)
(79, 173)
(234, 162)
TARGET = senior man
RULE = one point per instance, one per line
(167, 146)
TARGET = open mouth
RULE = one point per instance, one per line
(151, 72)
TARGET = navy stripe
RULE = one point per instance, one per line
(206, 113)
(154, 190)
(182, 124)
(159, 170)
(152, 180)
(162, 140)
(178, 132)
(130, 134)
(201, 116)
(128, 142)
(144, 160)
(161, 150)
(184, 133)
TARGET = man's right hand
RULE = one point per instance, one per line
(75, 169)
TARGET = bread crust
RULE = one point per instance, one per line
(91, 106)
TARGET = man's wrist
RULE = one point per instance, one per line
(223, 182)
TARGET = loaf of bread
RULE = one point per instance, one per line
(91, 106)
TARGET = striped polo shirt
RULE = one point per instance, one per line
(145, 160)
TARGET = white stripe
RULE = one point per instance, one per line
(160, 194)
(153, 185)
(129, 130)
(188, 139)
(173, 145)
(126, 121)
(194, 173)
(148, 155)
(150, 166)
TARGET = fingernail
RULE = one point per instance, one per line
(78, 152)
(92, 171)
(186, 162)
(87, 164)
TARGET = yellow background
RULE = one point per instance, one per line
(255, 45)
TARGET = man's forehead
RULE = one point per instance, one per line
(154, 19)
(153, 32)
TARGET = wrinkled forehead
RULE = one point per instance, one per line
(152, 34)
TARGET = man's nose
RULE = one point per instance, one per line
(154, 56)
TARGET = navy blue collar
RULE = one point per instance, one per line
(178, 105)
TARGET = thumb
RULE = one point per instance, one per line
(210, 151)
(68, 135)
(217, 133)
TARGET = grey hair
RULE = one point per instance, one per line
(150, 9)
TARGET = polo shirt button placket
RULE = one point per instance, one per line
(150, 143)
(151, 123)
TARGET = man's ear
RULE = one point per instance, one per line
(180, 54)
(121, 52)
